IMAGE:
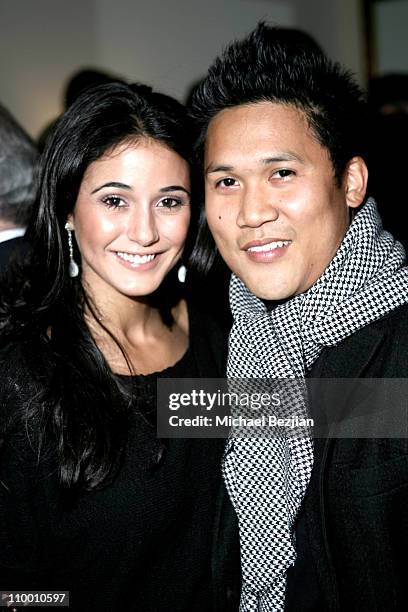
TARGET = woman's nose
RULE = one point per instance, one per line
(142, 227)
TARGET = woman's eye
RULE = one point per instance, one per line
(283, 173)
(113, 201)
(227, 182)
(169, 203)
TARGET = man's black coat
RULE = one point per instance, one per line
(353, 526)
(10, 250)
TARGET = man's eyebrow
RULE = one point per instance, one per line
(279, 157)
(214, 168)
(174, 188)
(112, 184)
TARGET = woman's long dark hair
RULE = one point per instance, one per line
(79, 407)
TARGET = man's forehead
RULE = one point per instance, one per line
(263, 131)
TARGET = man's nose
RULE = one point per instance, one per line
(256, 207)
(142, 226)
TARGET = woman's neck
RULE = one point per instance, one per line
(136, 327)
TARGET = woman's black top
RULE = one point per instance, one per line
(144, 543)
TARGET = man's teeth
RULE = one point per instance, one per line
(270, 246)
(136, 260)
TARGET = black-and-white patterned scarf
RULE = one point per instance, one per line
(267, 477)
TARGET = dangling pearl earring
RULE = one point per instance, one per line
(73, 266)
(182, 273)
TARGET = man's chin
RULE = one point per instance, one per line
(270, 293)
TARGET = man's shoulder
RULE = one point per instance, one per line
(379, 349)
(399, 316)
(394, 326)
(7, 244)
(12, 248)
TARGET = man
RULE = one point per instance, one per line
(18, 157)
(318, 290)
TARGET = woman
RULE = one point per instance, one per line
(91, 501)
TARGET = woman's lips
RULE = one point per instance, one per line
(134, 261)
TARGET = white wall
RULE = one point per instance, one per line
(171, 44)
(167, 43)
(338, 26)
(41, 42)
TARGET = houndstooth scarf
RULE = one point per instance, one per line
(267, 477)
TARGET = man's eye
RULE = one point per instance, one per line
(283, 173)
(113, 201)
(227, 182)
(169, 203)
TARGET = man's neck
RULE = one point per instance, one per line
(7, 225)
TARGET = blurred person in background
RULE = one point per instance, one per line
(18, 159)
(91, 501)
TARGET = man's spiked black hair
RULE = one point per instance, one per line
(286, 66)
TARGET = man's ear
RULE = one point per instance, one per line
(355, 181)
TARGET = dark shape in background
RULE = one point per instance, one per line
(388, 98)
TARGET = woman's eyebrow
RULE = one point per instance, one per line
(174, 188)
(112, 184)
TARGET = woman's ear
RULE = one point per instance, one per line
(355, 182)
(70, 222)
